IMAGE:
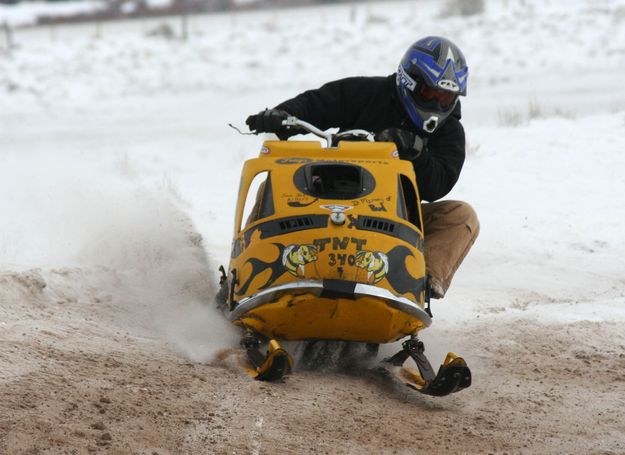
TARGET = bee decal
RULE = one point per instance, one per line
(374, 262)
(295, 258)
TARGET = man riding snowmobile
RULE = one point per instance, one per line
(417, 108)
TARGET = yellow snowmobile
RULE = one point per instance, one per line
(333, 250)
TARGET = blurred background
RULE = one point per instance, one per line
(63, 11)
(116, 157)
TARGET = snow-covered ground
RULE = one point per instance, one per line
(114, 145)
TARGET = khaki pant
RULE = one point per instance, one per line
(450, 229)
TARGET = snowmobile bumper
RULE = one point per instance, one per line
(330, 309)
(328, 286)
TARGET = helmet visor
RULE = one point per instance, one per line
(425, 93)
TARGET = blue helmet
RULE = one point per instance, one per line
(431, 76)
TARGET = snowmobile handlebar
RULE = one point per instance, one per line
(330, 138)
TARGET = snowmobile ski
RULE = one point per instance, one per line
(270, 367)
(453, 375)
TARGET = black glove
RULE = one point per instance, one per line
(267, 121)
(409, 145)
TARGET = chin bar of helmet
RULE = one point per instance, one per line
(430, 124)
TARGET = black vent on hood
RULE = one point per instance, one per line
(285, 225)
(296, 223)
(376, 224)
(397, 230)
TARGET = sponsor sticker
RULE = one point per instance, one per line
(448, 85)
(337, 207)
(293, 160)
(295, 257)
(404, 79)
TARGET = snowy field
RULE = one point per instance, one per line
(115, 153)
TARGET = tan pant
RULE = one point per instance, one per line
(450, 229)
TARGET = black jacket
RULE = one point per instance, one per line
(372, 104)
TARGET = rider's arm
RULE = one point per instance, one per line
(439, 165)
(334, 105)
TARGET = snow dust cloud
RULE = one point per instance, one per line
(137, 240)
(148, 238)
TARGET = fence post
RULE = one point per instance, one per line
(52, 32)
(184, 20)
(8, 36)
(184, 26)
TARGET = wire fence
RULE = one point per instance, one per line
(182, 26)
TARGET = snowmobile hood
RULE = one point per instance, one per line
(342, 215)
